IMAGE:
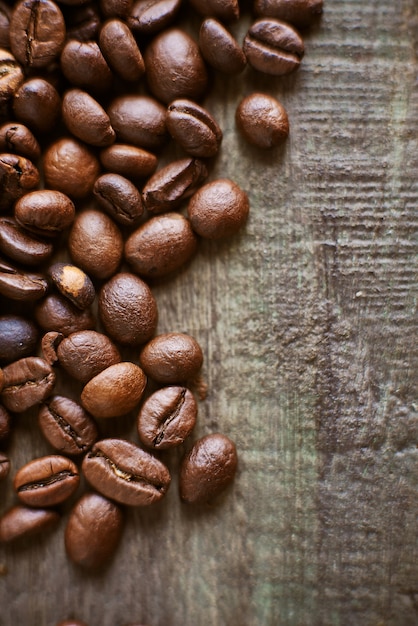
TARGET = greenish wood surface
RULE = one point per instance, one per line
(307, 320)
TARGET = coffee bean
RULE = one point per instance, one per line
(129, 161)
(121, 51)
(22, 246)
(86, 119)
(218, 209)
(172, 184)
(273, 47)
(70, 167)
(73, 283)
(207, 469)
(138, 120)
(175, 67)
(23, 521)
(5, 423)
(46, 481)
(5, 14)
(4, 466)
(95, 244)
(128, 309)
(18, 285)
(17, 176)
(123, 472)
(56, 313)
(18, 338)
(167, 417)
(82, 22)
(148, 17)
(17, 138)
(262, 120)
(45, 212)
(226, 10)
(37, 104)
(37, 32)
(194, 128)
(119, 197)
(93, 531)
(86, 353)
(84, 66)
(27, 382)
(161, 245)
(116, 8)
(301, 13)
(67, 426)
(49, 345)
(171, 358)
(115, 391)
(220, 49)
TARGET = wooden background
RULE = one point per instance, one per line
(308, 324)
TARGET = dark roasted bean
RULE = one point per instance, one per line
(121, 51)
(5, 423)
(119, 197)
(116, 8)
(67, 426)
(273, 47)
(17, 138)
(19, 285)
(5, 14)
(147, 17)
(171, 358)
(18, 338)
(84, 66)
(46, 481)
(37, 104)
(225, 10)
(11, 77)
(194, 128)
(27, 382)
(4, 466)
(17, 176)
(54, 312)
(86, 353)
(22, 246)
(23, 521)
(83, 22)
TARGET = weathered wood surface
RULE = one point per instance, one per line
(308, 325)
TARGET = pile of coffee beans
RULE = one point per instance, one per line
(93, 96)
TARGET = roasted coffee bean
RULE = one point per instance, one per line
(17, 176)
(167, 417)
(86, 353)
(84, 66)
(95, 244)
(114, 391)
(27, 382)
(224, 10)
(220, 49)
(93, 531)
(46, 481)
(45, 212)
(22, 246)
(128, 309)
(139, 120)
(5, 14)
(67, 426)
(5, 423)
(18, 338)
(175, 67)
(11, 77)
(207, 469)
(4, 466)
(49, 345)
(116, 8)
(18, 285)
(37, 104)
(273, 47)
(129, 161)
(86, 119)
(161, 245)
(70, 167)
(37, 32)
(301, 13)
(171, 358)
(172, 184)
(119, 197)
(121, 51)
(123, 472)
(82, 22)
(72, 283)
(54, 312)
(262, 120)
(218, 209)
(194, 128)
(17, 138)
(23, 521)
(147, 17)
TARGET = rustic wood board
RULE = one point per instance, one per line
(308, 324)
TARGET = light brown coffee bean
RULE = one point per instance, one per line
(171, 358)
(86, 119)
(23, 521)
(27, 382)
(70, 167)
(273, 47)
(220, 49)
(67, 426)
(49, 344)
(72, 283)
(46, 481)
(129, 161)
(138, 120)
(262, 120)
(194, 128)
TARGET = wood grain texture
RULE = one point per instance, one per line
(308, 324)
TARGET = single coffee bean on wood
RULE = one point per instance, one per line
(301, 13)
(17, 284)
(171, 358)
(115, 391)
(130, 161)
(218, 209)
(72, 283)
(207, 469)
(220, 49)
(86, 119)
(194, 128)
(37, 104)
(148, 17)
(119, 197)
(22, 246)
(67, 426)
(161, 245)
(138, 120)
(273, 47)
(27, 382)
(125, 473)
(84, 66)
(22, 521)
(5, 423)
(167, 417)
(121, 51)
(18, 338)
(93, 531)
(262, 120)
(45, 212)
(46, 481)
(4, 466)
(56, 313)
(17, 138)
(86, 353)
(70, 167)
(18, 175)
(127, 309)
